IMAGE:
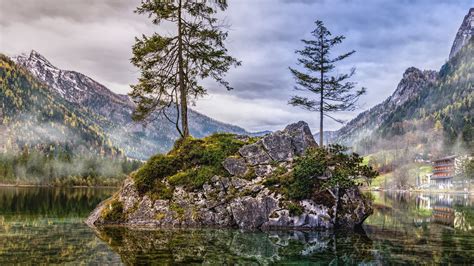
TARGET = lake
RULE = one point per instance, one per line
(45, 225)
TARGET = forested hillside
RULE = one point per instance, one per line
(135, 139)
(44, 138)
(438, 119)
(446, 105)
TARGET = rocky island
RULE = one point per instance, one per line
(282, 180)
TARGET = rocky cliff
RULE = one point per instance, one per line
(253, 192)
(412, 82)
(465, 33)
(418, 92)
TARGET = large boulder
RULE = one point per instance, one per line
(278, 146)
(353, 208)
(301, 137)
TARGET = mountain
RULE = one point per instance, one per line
(465, 32)
(137, 140)
(430, 112)
(413, 81)
(33, 116)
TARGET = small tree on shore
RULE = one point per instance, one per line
(172, 65)
(334, 92)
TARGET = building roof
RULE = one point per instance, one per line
(446, 158)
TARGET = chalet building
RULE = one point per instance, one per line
(445, 169)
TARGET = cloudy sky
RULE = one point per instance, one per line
(95, 37)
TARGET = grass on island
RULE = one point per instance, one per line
(191, 163)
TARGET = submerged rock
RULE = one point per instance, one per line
(242, 199)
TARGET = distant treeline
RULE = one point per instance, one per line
(63, 168)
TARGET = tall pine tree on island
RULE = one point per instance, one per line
(334, 91)
(172, 64)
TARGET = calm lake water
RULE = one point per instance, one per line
(45, 225)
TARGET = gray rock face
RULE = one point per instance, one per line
(252, 212)
(255, 154)
(247, 204)
(235, 166)
(465, 33)
(352, 210)
(278, 146)
(301, 137)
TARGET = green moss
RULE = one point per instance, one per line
(250, 174)
(342, 168)
(160, 191)
(157, 167)
(191, 163)
(178, 210)
(160, 216)
(113, 211)
(294, 208)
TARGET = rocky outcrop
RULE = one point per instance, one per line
(241, 200)
(465, 33)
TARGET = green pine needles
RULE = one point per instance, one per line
(173, 64)
(334, 92)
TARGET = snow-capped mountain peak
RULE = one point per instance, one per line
(72, 86)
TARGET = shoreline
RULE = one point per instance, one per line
(51, 186)
(420, 191)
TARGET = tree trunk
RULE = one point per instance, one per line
(182, 85)
(321, 143)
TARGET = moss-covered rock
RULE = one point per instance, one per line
(226, 180)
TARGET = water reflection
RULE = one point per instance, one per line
(405, 228)
(45, 225)
(414, 227)
(219, 246)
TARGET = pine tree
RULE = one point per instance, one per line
(335, 92)
(172, 64)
